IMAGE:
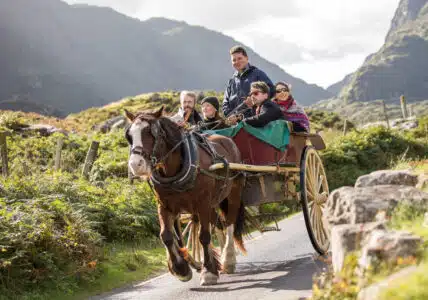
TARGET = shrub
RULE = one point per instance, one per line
(359, 153)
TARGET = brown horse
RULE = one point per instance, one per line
(160, 147)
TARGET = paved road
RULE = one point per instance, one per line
(279, 265)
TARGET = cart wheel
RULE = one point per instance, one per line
(314, 193)
(190, 236)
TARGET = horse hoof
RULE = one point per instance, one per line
(229, 269)
(186, 278)
(229, 264)
(208, 278)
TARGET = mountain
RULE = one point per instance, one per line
(71, 57)
(338, 86)
(400, 66)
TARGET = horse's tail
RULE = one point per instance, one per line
(239, 229)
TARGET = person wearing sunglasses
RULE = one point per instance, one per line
(238, 86)
(291, 110)
(266, 111)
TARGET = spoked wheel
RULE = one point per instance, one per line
(190, 236)
(314, 193)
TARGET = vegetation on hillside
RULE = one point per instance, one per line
(56, 226)
(362, 113)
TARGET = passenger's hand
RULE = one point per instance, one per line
(232, 120)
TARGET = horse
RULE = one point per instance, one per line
(160, 150)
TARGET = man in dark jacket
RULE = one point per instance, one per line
(266, 111)
(239, 85)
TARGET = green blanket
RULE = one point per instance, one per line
(275, 133)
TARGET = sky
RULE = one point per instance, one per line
(319, 41)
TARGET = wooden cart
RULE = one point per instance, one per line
(296, 174)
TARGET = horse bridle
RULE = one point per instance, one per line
(158, 134)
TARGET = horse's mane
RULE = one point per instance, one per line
(172, 131)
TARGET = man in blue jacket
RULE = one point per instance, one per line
(239, 85)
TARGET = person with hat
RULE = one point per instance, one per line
(211, 116)
(292, 112)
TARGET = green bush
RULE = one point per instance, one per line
(53, 223)
(321, 120)
(43, 238)
(113, 156)
(359, 153)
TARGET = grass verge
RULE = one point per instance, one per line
(120, 265)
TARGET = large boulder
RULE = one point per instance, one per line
(115, 122)
(44, 129)
(384, 177)
(388, 246)
(348, 237)
(349, 205)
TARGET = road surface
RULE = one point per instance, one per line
(279, 265)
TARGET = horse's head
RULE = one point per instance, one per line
(150, 137)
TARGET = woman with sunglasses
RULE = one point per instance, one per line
(292, 112)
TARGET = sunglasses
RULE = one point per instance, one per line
(255, 93)
(281, 90)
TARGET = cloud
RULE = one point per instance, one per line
(295, 34)
(218, 15)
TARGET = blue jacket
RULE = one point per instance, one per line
(239, 86)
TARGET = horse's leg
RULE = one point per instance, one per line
(228, 255)
(235, 224)
(211, 265)
(177, 264)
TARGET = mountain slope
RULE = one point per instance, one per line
(399, 67)
(75, 57)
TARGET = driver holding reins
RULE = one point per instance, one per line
(266, 110)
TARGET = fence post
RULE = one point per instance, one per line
(385, 114)
(90, 158)
(59, 144)
(3, 153)
(345, 126)
(403, 107)
(426, 133)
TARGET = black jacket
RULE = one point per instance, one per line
(269, 111)
(239, 86)
(215, 123)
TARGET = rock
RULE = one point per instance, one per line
(348, 237)
(349, 205)
(382, 245)
(44, 129)
(107, 125)
(372, 292)
(422, 182)
(119, 124)
(384, 177)
(408, 125)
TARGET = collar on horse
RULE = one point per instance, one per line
(185, 178)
